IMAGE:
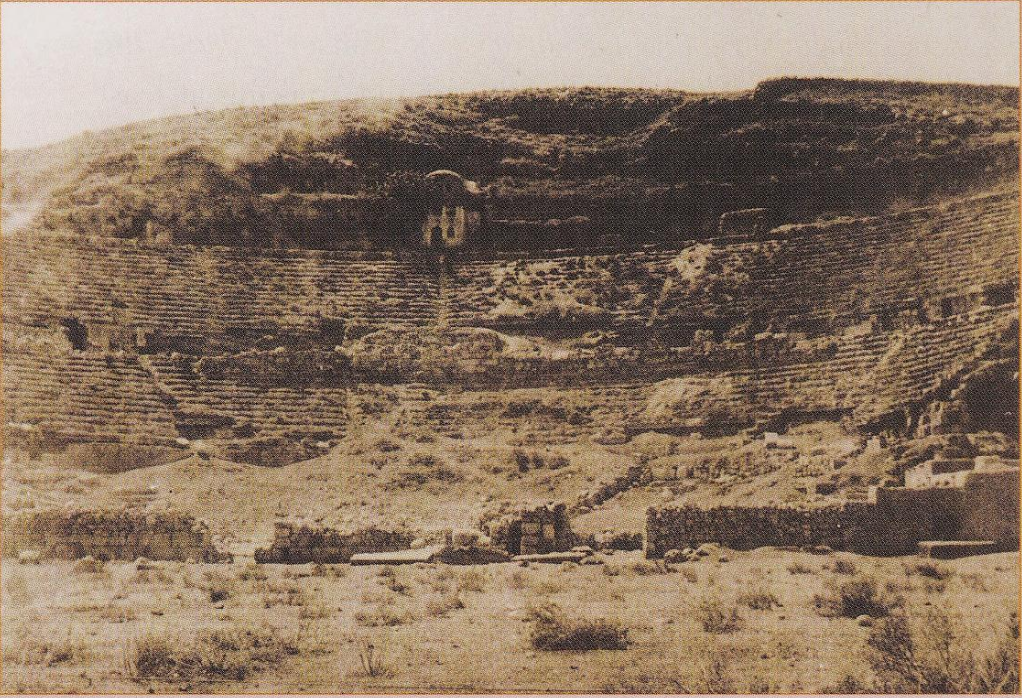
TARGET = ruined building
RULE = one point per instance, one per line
(454, 210)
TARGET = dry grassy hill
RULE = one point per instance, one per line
(665, 162)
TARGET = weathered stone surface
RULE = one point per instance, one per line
(110, 535)
(298, 544)
(398, 557)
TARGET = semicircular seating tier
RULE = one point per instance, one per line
(860, 317)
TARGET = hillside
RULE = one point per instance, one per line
(633, 166)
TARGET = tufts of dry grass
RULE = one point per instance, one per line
(213, 655)
(385, 616)
(553, 630)
(799, 568)
(717, 617)
(442, 606)
(934, 655)
(372, 661)
(472, 580)
(31, 649)
(930, 570)
(842, 566)
(88, 565)
(759, 600)
(855, 597)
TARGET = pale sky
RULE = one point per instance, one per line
(68, 67)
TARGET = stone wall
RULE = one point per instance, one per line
(986, 508)
(532, 530)
(744, 528)
(991, 508)
(298, 544)
(110, 535)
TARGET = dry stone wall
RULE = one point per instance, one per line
(110, 535)
(299, 543)
(986, 508)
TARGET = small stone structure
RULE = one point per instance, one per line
(984, 508)
(454, 210)
(296, 544)
(110, 535)
(532, 530)
(953, 472)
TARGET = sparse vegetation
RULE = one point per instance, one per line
(213, 655)
(371, 661)
(853, 598)
(929, 569)
(759, 600)
(717, 617)
(553, 630)
(935, 656)
(799, 568)
(843, 566)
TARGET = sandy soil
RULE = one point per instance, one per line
(435, 627)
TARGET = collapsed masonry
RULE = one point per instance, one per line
(984, 508)
(296, 543)
(532, 530)
(110, 535)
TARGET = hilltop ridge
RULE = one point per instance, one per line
(644, 165)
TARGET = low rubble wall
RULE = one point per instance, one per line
(297, 544)
(110, 535)
(986, 508)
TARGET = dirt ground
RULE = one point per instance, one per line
(730, 622)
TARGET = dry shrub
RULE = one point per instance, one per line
(717, 617)
(152, 575)
(391, 581)
(217, 585)
(313, 612)
(553, 630)
(472, 580)
(422, 469)
(32, 649)
(935, 655)
(975, 582)
(284, 593)
(88, 565)
(853, 598)
(799, 568)
(118, 614)
(645, 568)
(526, 460)
(759, 600)
(384, 615)
(842, 566)
(930, 570)
(372, 662)
(443, 605)
(252, 572)
(213, 655)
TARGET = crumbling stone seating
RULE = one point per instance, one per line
(87, 396)
(203, 292)
(852, 313)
